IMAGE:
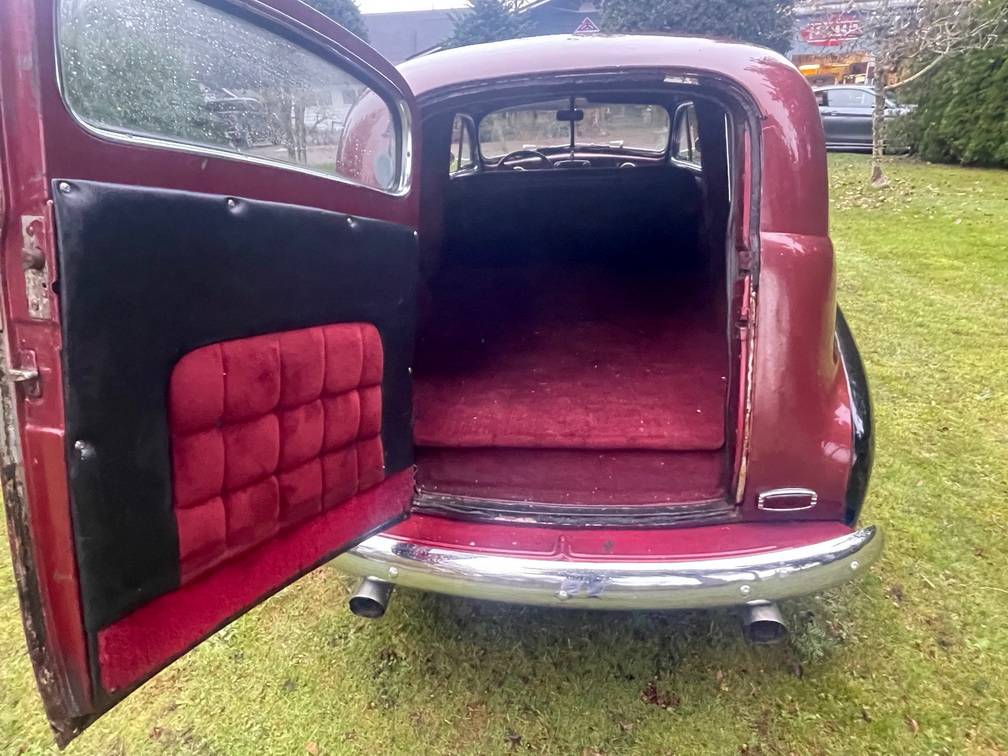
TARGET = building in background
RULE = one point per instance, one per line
(403, 35)
(565, 16)
(828, 43)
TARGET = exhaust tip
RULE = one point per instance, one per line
(764, 625)
(370, 599)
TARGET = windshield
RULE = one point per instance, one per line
(550, 125)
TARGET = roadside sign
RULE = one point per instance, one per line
(587, 27)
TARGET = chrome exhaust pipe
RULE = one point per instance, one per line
(763, 624)
(370, 598)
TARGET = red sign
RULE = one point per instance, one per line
(587, 27)
(832, 31)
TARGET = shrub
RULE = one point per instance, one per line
(763, 22)
(488, 21)
(343, 12)
(962, 113)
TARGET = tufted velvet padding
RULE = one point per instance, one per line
(269, 430)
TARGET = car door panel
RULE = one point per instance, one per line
(853, 125)
(829, 116)
(846, 116)
(236, 268)
(174, 451)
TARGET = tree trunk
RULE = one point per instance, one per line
(878, 177)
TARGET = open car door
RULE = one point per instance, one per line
(209, 276)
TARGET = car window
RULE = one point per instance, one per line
(849, 98)
(182, 71)
(821, 98)
(614, 126)
(463, 157)
(687, 135)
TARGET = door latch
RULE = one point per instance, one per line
(27, 375)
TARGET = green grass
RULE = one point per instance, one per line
(912, 659)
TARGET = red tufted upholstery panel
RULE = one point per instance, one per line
(146, 639)
(268, 431)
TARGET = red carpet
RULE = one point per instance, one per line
(570, 358)
(573, 476)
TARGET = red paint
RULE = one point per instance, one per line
(138, 645)
(794, 196)
(800, 423)
(40, 421)
(801, 427)
(42, 142)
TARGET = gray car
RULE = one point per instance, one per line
(846, 113)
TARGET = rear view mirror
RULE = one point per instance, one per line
(570, 115)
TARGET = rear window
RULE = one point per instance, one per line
(614, 126)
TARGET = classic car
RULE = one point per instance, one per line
(554, 323)
(847, 112)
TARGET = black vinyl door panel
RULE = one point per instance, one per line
(147, 275)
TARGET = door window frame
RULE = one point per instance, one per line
(468, 128)
(270, 22)
(680, 119)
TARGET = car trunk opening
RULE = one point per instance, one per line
(573, 343)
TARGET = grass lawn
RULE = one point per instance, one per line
(913, 659)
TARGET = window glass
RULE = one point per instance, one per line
(463, 157)
(849, 98)
(531, 127)
(638, 127)
(182, 71)
(687, 141)
(820, 99)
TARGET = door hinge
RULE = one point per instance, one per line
(33, 261)
(27, 374)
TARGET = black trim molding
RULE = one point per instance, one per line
(861, 420)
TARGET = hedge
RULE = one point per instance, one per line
(962, 113)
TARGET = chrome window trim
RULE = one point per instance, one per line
(468, 124)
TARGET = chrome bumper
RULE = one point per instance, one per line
(695, 584)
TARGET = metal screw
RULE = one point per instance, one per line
(393, 571)
(350, 221)
(855, 564)
(85, 451)
(64, 187)
(744, 590)
(563, 595)
(232, 202)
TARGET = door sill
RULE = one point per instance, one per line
(573, 515)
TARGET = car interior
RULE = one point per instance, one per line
(573, 339)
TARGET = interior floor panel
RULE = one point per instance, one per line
(570, 357)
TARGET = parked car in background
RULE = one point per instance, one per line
(846, 113)
(554, 323)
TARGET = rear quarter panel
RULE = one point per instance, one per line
(800, 424)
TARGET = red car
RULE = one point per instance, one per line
(554, 322)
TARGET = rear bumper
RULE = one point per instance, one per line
(693, 584)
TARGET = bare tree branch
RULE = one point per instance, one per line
(910, 38)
